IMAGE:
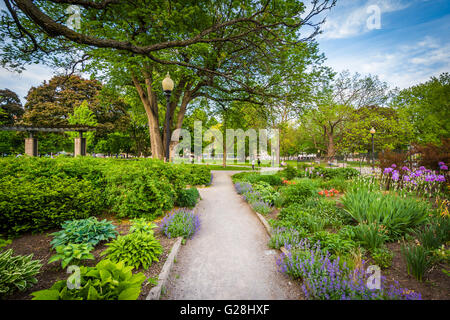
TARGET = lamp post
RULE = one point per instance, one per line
(167, 85)
(372, 132)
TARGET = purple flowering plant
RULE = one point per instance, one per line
(180, 223)
(243, 187)
(329, 279)
(422, 181)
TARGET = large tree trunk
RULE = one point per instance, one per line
(330, 146)
(149, 100)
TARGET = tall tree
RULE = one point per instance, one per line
(11, 109)
(427, 107)
(393, 131)
(220, 45)
(336, 102)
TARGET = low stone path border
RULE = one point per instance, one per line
(155, 292)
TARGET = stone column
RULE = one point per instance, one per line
(31, 145)
(80, 145)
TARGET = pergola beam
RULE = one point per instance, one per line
(31, 143)
(46, 129)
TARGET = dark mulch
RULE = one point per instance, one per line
(435, 285)
(39, 246)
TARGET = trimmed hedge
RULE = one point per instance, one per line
(187, 198)
(45, 203)
(38, 194)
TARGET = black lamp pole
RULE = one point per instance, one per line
(373, 155)
(167, 85)
(167, 93)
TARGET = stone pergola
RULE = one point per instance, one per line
(31, 143)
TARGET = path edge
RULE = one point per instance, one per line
(266, 226)
(155, 292)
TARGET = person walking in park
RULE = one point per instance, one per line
(253, 164)
(259, 162)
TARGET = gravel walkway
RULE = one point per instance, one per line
(228, 258)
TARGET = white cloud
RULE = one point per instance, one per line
(22, 82)
(350, 18)
(402, 66)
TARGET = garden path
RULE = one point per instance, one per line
(228, 258)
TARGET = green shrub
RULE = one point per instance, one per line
(250, 177)
(265, 191)
(336, 183)
(187, 198)
(37, 194)
(418, 260)
(72, 253)
(4, 243)
(382, 257)
(140, 195)
(135, 249)
(297, 217)
(397, 214)
(88, 231)
(198, 175)
(327, 210)
(298, 192)
(289, 172)
(17, 272)
(371, 236)
(340, 173)
(347, 232)
(106, 281)
(332, 243)
(45, 203)
(142, 225)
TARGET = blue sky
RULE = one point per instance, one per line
(412, 44)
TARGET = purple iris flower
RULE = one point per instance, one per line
(443, 167)
(394, 165)
(388, 170)
(441, 163)
(406, 178)
(440, 178)
(422, 168)
(395, 175)
(405, 168)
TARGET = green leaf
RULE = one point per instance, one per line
(46, 295)
(130, 294)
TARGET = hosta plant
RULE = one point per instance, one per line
(106, 281)
(135, 249)
(72, 253)
(142, 225)
(17, 272)
(88, 231)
